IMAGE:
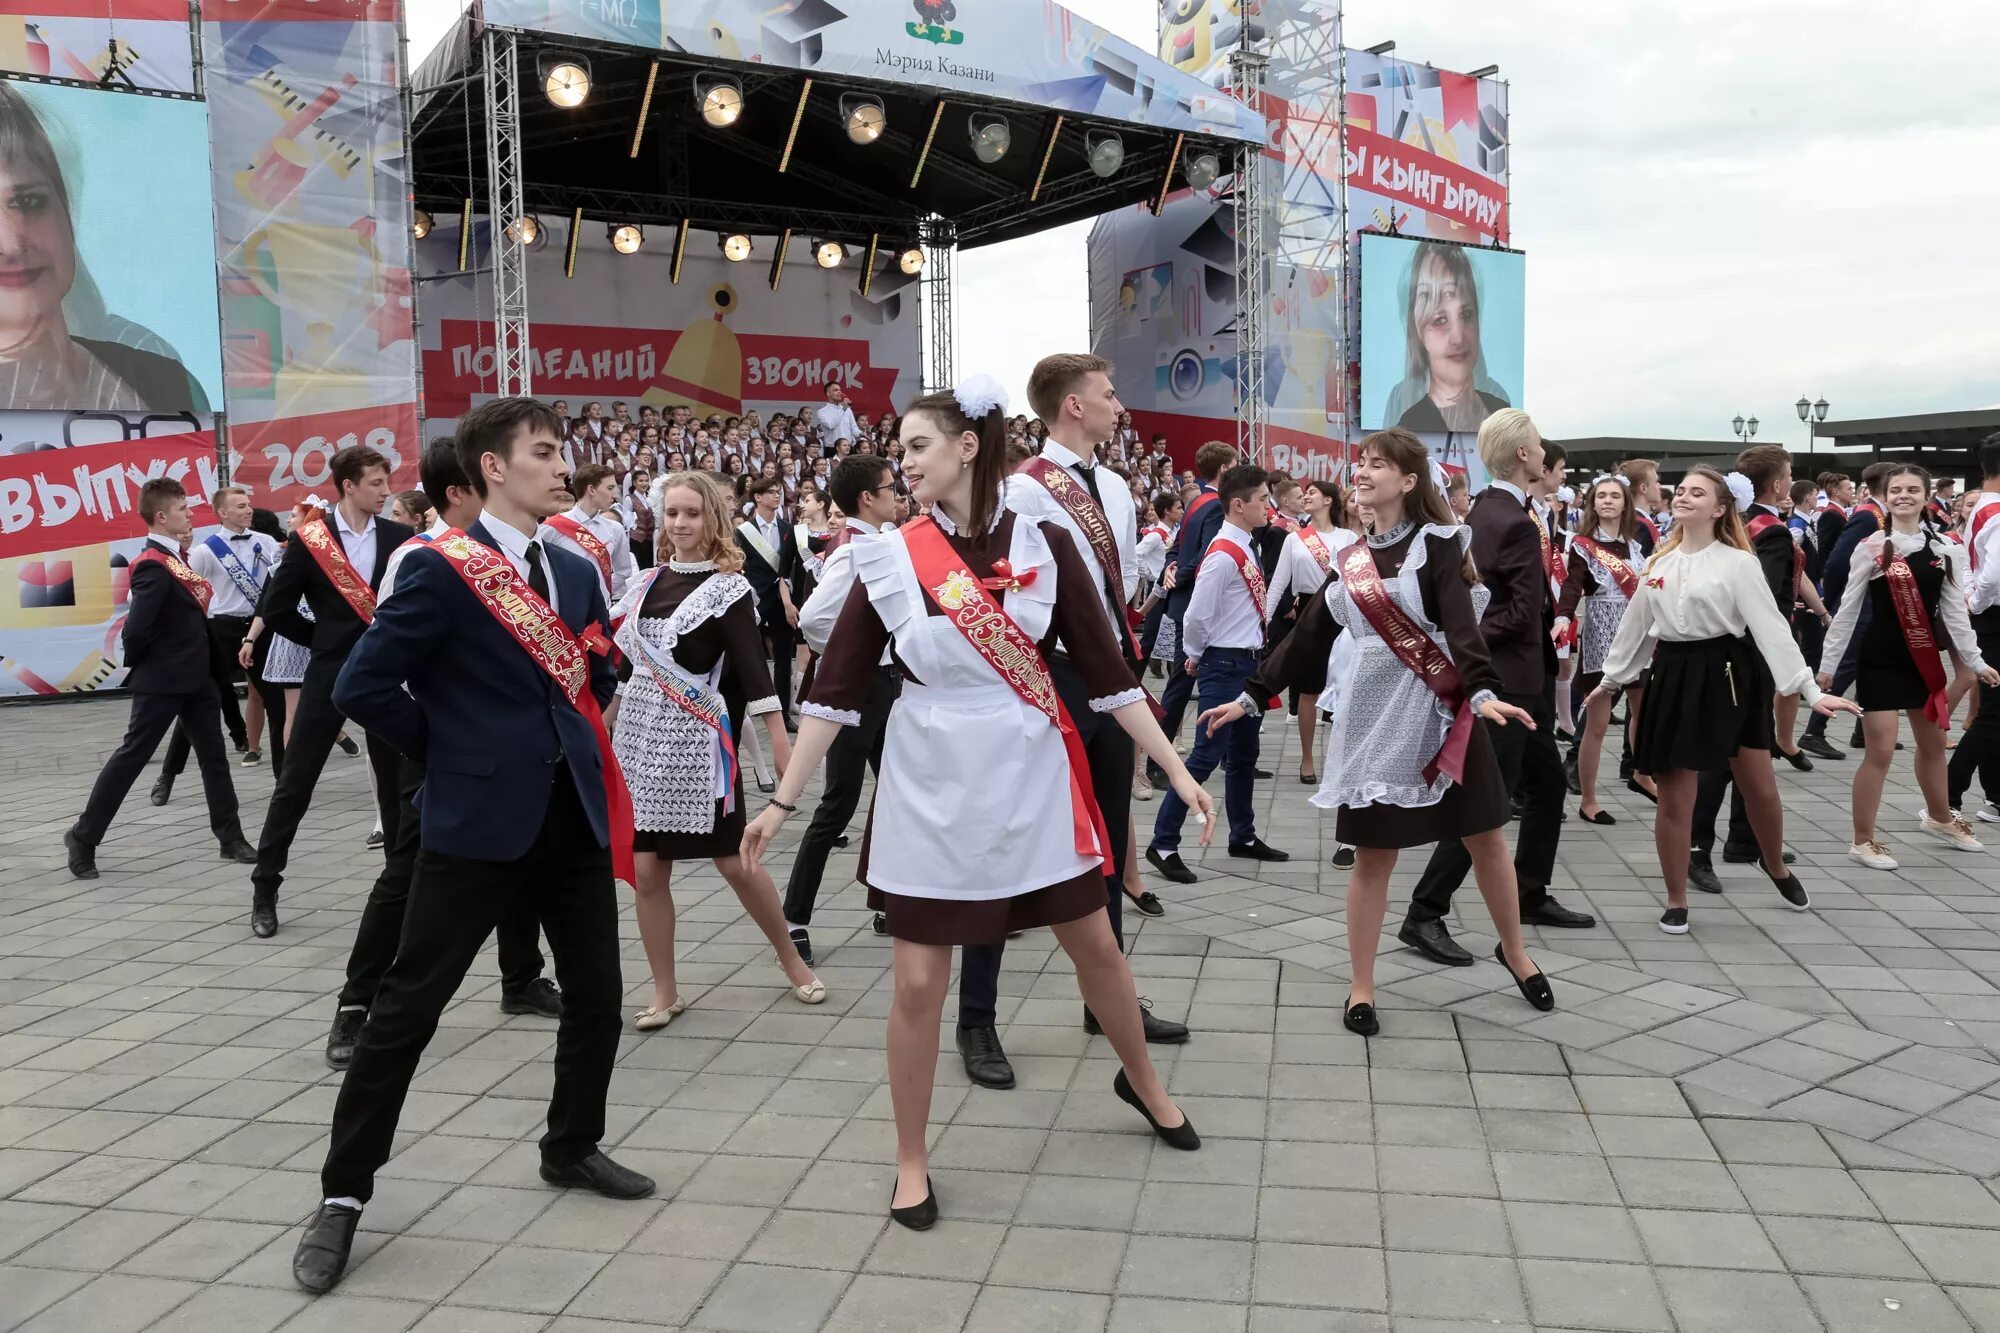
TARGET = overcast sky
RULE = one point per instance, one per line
(1724, 206)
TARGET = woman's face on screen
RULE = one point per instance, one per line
(37, 247)
(1450, 329)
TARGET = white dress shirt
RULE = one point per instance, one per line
(514, 545)
(1866, 566)
(256, 553)
(836, 580)
(1030, 499)
(1220, 613)
(1983, 549)
(360, 546)
(1151, 553)
(835, 421)
(1298, 573)
(400, 554)
(607, 528)
(1713, 593)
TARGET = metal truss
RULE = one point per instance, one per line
(506, 205)
(940, 242)
(1253, 269)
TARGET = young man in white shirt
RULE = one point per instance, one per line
(833, 419)
(590, 529)
(1222, 637)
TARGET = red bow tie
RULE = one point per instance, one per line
(1004, 579)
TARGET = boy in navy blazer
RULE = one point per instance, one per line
(517, 803)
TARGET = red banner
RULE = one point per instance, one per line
(59, 499)
(282, 462)
(1397, 170)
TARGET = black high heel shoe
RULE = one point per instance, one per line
(1632, 784)
(919, 1216)
(1360, 1019)
(1535, 989)
(1181, 1136)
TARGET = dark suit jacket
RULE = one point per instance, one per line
(1860, 526)
(764, 577)
(1195, 536)
(266, 522)
(334, 626)
(487, 723)
(166, 634)
(1508, 555)
(1773, 548)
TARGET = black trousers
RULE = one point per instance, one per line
(381, 929)
(1108, 752)
(313, 731)
(781, 640)
(225, 634)
(1978, 749)
(1849, 666)
(854, 752)
(1532, 769)
(454, 902)
(1178, 694)
(152, 715)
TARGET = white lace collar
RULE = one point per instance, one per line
(950, 529)
(1382, 540)
(690, 566)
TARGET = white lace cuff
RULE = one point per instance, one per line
(1481, 699)
(1111, 703)
(846, 717)
(1251, 707)
(759, 707)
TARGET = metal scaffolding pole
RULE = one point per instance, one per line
(940, 245)
(1253, 267)
(506, 205)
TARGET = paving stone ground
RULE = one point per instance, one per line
(1779, 1122)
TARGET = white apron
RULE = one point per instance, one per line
(973, 800)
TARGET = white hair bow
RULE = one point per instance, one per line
(1740, 487)
(1438, 477)
(316, 502)
(979, 394)
(1603, 477)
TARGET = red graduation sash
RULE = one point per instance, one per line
(588, 540)
(1317, 547)
(331, 557)
(1870, 508)
(1253, 577)
(558, 651)
(197, 587)
(1552, 561)
(1089, 518)
(1908, 600)
(1201, 502)
(1622, 573)
(1283, 522)
(1415, 650)
(1764, 523)
(1014, 657)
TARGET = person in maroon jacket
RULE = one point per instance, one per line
(1510, 550)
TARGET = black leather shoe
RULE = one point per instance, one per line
(985, 1062)
(242, 743)
(1159, 1031)
(1604, 817)
(1262, 774)
(1258, 850)
(1433, 941)
(1797, 758)
(1701, 873)
(840, 842)
(1156, 777)
(1632, 784)
(82, 859)
(539, 996)
(1148, 904)
(804, 944)
(239, 851)
(1360, 1020)
(340, 1040)
(598, 1172)
(919, 1216)
(1343, 858)
(1571, 776)
(881, 924)
(1815, 744)
(1748, 856)
(1535, 988)
(1170, 865)
(163, 790)
(347, 745)
(1549, 912)
(322, 1254)
(1180, 1136)
(264, 916)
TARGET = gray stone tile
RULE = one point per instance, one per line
(881, 1303)
(1651, 1183)
(523, 1278)
(1346, 1277)
(953, 1249)
(1907, 1196)
(1573, 1231)
(1803, 1190)
(1841, 1247)
(756, 1298)
(115, 1303)
(1131, 1314)
(1325, 1217)
(1228, 1211)
(1554, 1178)
(1455, 1286)
(1013, 1310)
(1770, 1143)
(1688, 1239)
(1594, 1295)
(1861, 1305)
(1062, 1259)
(1953, 1254)
(1185, 1268)
(1453, 1225)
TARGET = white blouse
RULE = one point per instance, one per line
(1298, 572)
(1716, 592)
(1952, 611)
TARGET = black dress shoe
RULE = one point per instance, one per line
(1535, 988)
(264, 916)
(1258, 850)
(340, 1039)
(1570, 774)
(1156, 777)
(239, 851)
(804, 944)
(1360, 1020)
(985, 1062)
(1170, 865)
(919, 1216)
(242, 744)
(1343, 857)
(1159, 1031)
(1180, 1136)
(163, 790)
(1549, 912)
(322, 1254)
(598, 1172)
(1632, 784)
(1748, 856)
(1262, 774)
(1797, 758)
(881, 924)
(1601, 817)
(1149, 904)
(840, 842)
(1433, 941)
(347, 746)
(82, 859)
(539, 996)
(1701, 873)
(1816, 744)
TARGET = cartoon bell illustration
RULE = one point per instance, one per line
(704, 371)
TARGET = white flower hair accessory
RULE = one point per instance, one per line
(1742, 490)
(1566, 496)
(1603, 477)
(979, 394)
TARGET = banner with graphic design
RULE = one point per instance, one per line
(110, 43)
(719, 342)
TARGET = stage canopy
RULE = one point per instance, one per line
(638, 149)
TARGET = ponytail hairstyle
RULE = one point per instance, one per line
(1402, 450)
(1926, 520)
(990, 465)
(1729, 529)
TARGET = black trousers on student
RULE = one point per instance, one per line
(782, 642)
(854, 752)
(313, 731)
(225, 634)
(1978, 751)
(454, 903)
(152, 714)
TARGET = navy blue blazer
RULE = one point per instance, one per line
(1860, 526)
(166, 634)
(1193, 544)
(487, 723)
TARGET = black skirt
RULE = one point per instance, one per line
(1473, 806)
(724, 838)
(1705, 700)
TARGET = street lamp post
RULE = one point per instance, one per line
(1812, 414)
(1744, 430)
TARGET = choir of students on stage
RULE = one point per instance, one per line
(549, 711)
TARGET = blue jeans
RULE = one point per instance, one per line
(1218, 681)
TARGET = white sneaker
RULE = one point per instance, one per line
(1872, 854)
(1988, 813)
(1955, 831)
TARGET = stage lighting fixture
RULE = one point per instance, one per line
(526, 230)
(1202, 169)
(720, 99)
(1105, 150)
(565, 77)
(626, 239)
(991, 137)
(911, 261)
(736, 247)
(828, 254)
(420, 224)
(863, 116)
